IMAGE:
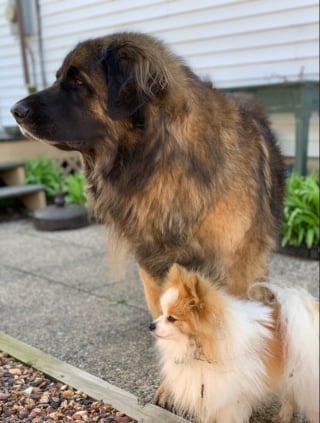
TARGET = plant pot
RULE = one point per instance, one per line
(60, 215)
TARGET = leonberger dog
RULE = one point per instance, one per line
(178, 170)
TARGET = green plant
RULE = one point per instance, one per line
(75, 186)
(301, 211)
(44, 171)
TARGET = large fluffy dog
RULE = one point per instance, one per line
(181, 172)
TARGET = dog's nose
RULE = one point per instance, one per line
(20, 111)
(152, 326)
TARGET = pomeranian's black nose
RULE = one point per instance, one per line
(152, 326)
(20, 111)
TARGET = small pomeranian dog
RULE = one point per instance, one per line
(222, 356)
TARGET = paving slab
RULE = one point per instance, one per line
(57, 294)
(32, 253)
(96, 333)
(294, 271)
(93, 236)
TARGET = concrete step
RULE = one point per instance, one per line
(10, 165)
(12, 173)
(32, 196)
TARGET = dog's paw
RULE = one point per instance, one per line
(161, 397)
(286, 412)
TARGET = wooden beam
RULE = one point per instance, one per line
(85, 382)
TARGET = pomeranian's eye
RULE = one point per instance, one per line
(171, 319)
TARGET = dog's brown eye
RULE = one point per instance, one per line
(171, 319)
(78, 82)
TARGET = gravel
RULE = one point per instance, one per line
(27, 395)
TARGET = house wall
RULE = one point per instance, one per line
(232, 42)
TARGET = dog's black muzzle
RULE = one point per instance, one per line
(20, 111)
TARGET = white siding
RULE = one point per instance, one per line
(233, 42)
(284, 127)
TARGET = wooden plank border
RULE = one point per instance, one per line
(85, 382)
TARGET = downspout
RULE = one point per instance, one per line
(23, 48)
(40, 45)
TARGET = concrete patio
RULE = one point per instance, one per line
(57, 294)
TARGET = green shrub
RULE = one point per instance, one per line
(75, 186)
(301, 211)
(44, 171)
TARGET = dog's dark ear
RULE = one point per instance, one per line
(134, 77)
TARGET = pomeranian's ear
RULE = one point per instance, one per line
(192, 282)
(189, 281)
(193, 286)
(176, 272)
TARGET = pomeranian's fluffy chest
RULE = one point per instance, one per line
(208, 387)
(220, 366)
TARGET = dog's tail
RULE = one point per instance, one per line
(299, 327)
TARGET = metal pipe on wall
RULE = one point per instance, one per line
(40, 45)
(23, 47)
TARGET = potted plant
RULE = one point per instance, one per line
(74, 185)
(67, 193)
(300, 227)
(44, 171)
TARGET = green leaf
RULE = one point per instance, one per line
(75, 186)
(301, 217)
(44, 171)
(309, 238)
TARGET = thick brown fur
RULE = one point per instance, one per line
(178, 170)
